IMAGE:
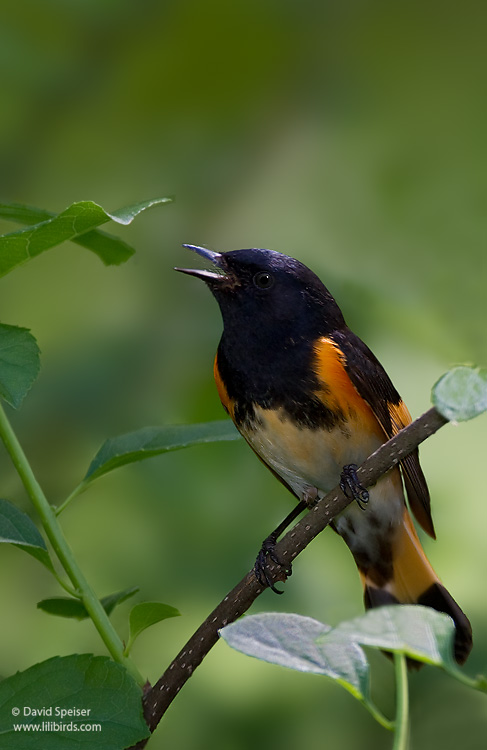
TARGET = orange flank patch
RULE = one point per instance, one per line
(338, 390)
(227, 402)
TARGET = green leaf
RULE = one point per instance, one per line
(461, 393)
(67, 606)
(71, 691)
(24, 214)
(64, 606)
(17, 528)
(110, 249)
(310, 646)
(419, 632)
(143, 615)
(303, 644)
(113, 600)
(78, 223)
(152, 441)
(19, 363)
(127, 214)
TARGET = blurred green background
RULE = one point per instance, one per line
(351, 135)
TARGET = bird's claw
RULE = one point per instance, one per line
(351, 486)
(268, 552)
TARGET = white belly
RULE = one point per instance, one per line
(304, 456)
(309, 459)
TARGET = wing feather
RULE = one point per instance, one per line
(376, 388)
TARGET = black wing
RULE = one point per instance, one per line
(376, 388)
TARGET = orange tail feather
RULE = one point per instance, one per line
(415, 582)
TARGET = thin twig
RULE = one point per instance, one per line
(158, 698)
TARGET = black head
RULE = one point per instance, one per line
(265, 289)
(274, 309)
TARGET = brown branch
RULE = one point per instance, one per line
(158, 698)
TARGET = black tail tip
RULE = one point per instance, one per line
(438, 598)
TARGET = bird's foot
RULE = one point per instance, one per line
(268, 552)
(351, 486)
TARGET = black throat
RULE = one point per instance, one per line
(274, 370)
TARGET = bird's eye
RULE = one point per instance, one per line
(263, 280)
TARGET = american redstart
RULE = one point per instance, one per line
(313, 402)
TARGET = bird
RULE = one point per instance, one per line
(313, 402)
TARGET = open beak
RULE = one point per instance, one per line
(209, 276)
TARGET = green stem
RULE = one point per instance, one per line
(378, 715)
(478, 683)
(77, 491)
(64, 585)
(401, 733)
(62, 549)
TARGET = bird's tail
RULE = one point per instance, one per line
(415, 582)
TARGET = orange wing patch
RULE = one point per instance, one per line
(338, 390)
